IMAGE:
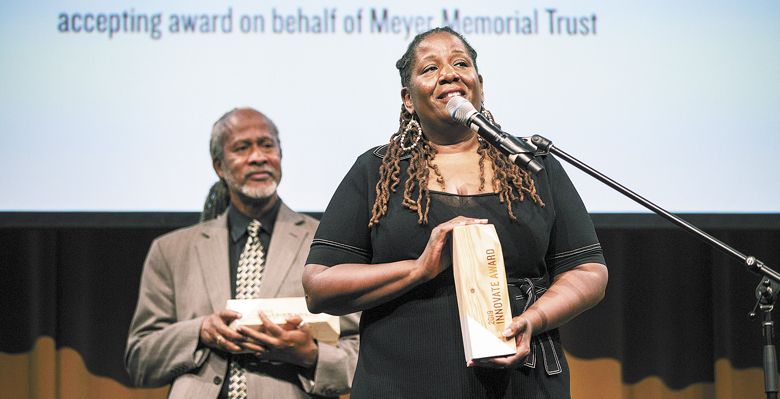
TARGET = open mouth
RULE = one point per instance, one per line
(449, 94)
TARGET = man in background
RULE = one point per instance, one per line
(256, 248)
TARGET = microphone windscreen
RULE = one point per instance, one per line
(460, 109)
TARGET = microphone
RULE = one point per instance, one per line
(520, 153)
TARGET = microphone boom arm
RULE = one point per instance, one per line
(545, 146)
(767, 287)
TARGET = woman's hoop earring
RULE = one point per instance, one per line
(488, 115)
(414, 130)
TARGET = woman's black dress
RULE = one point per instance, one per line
(411, 347)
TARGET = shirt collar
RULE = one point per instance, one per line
(239, 222)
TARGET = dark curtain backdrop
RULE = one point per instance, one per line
(673, 324)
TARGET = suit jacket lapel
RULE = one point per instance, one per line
(286, 241)
(213, 258)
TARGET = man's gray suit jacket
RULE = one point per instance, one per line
(186, 278)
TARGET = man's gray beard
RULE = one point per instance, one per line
(263, 192)
(257, 193)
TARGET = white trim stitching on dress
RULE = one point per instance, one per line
(576, 251)
(350, 248)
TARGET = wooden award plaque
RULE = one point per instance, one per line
(324, 327)
(480, 284)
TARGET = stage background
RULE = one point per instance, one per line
(673, 324)
(678, 100)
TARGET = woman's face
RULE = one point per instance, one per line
(442, 68)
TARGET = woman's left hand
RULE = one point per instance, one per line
(571, 293)
(522, 331)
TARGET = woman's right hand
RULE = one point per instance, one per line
(351, 287)
(432, 261)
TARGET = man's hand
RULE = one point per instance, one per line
(290, 342)
(215, 333)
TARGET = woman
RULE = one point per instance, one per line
(381, 249)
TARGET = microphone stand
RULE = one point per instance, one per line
(766, 290)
